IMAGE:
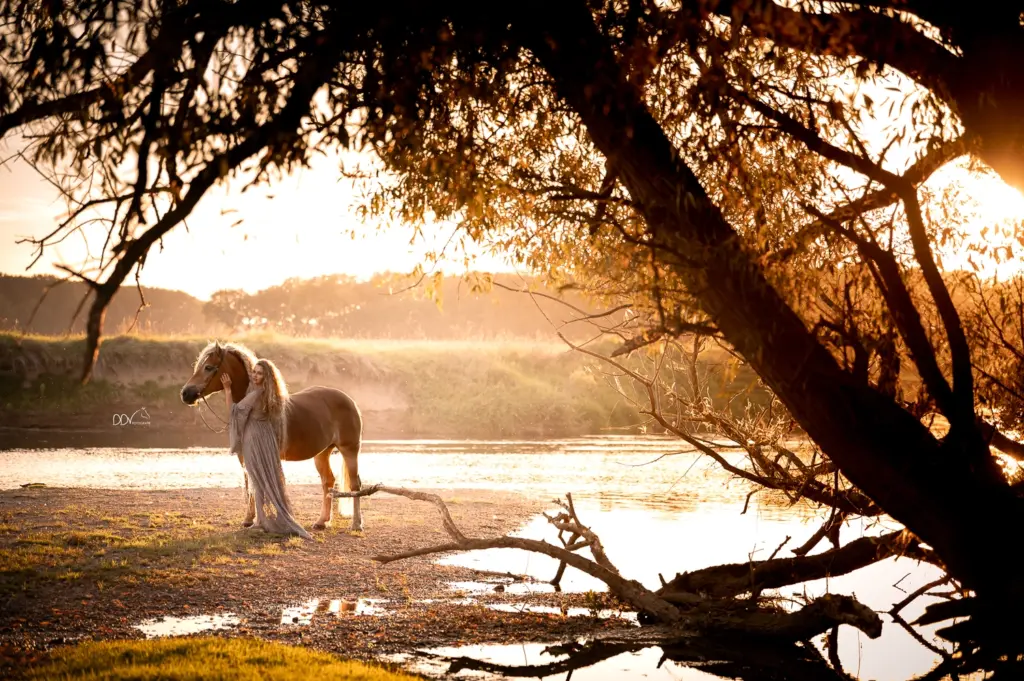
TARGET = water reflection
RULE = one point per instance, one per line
(644, 544)
(691, 658)
(304, 613)
(181, 626)
(536, 660)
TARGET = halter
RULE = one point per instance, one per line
(202, 396)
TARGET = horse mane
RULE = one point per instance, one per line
(247, 356)
(249, 359)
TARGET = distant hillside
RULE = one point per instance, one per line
(388, 306)
(168, 312)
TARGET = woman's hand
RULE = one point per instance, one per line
(225, 381)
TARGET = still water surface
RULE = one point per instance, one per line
(657, 510)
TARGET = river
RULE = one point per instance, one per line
(658, 511)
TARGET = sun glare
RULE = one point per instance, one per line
(304, 225)
(993, 223)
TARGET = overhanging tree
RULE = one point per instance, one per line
(713, 160)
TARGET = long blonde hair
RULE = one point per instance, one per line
(274, 399)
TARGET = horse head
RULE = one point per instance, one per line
(213, 361)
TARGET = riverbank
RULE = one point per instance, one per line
(80, 564)
(405, 389)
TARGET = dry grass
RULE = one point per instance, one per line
(118, 549)
(201, 658)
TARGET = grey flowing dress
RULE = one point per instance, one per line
(252, 435)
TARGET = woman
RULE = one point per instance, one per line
(258, 433)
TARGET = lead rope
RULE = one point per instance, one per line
(202, 416)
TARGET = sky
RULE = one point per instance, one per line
(301, 227)
(298, 227)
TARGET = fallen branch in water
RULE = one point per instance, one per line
(817, 617)
(723, 616)
(724, 581)
(628, 590)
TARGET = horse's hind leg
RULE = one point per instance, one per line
(250, 500)
(352, 482)
(323, 467)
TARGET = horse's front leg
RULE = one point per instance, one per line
(250, 500)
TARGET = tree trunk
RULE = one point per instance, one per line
(947, 497)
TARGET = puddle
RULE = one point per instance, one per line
(181, 626)
(717, 535)
(603, 613)
(628, 535)
(304, 613)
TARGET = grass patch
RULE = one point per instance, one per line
(201, 658)
(126, 549)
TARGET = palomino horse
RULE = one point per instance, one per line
(318, 420)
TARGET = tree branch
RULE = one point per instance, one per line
(917, 173)
(311, 75)
(877, 38)
(628, 590)
(904, 312)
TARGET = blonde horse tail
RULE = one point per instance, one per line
(345, 504)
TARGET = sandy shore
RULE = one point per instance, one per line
(82, 563)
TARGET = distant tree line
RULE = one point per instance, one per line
(401, 306)
(335, 306)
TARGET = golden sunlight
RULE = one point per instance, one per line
(306, 224)
(303, 225)
(992, 222)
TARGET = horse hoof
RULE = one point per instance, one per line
(247, 523)
(319, 526)
(357, 528)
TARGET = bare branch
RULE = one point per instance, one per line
(630, 591)
(917, 173)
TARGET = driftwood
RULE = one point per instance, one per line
(719, 617)
(830, 528)
(724, 581)
(628, 590)
(819, 616)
